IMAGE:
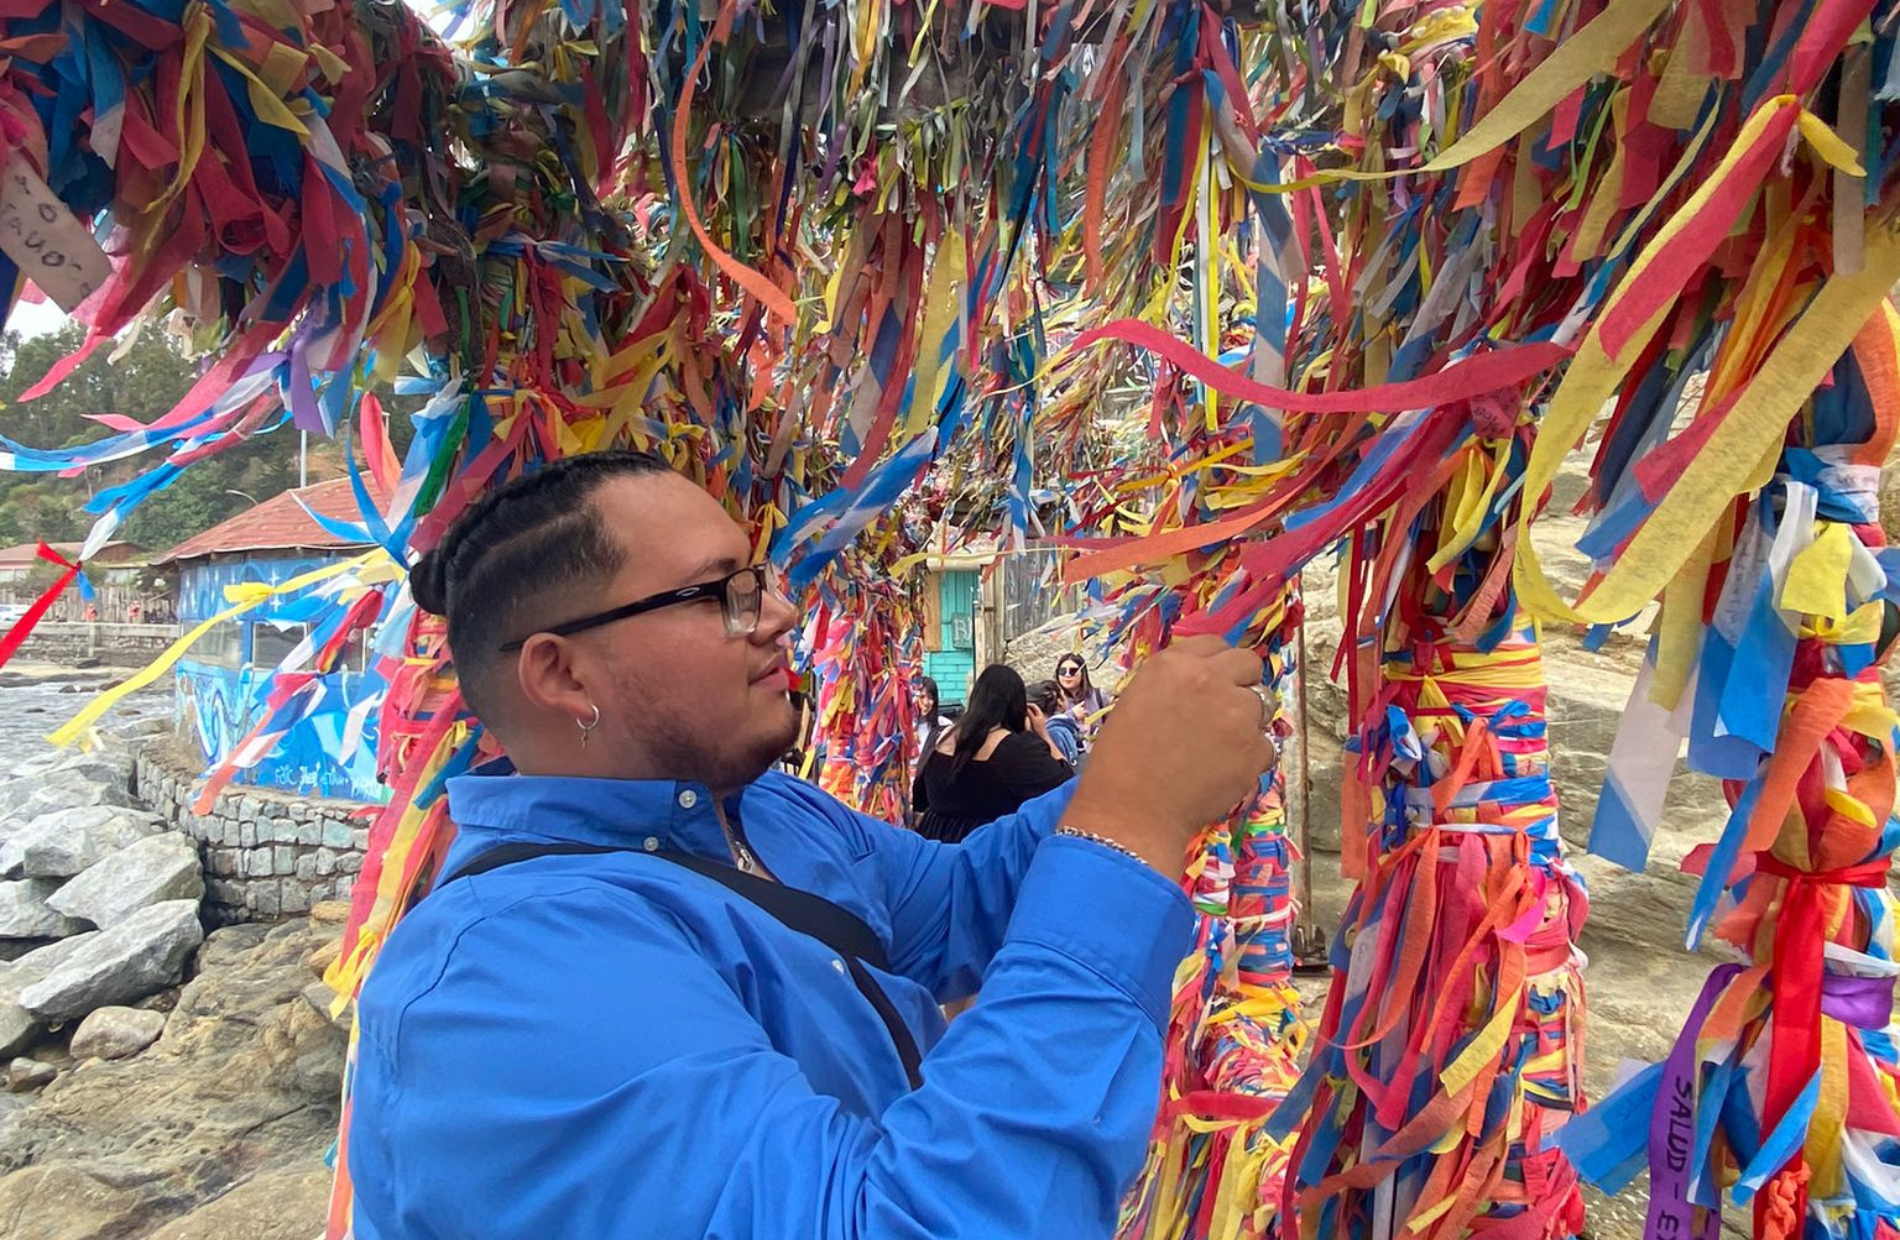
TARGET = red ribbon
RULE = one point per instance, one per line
(1795, 1054)
(1462, 380)
(23, 629)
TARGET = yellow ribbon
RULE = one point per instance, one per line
(1817, 578)
(1471, 495)
(1679, 632)
(1735, 451)
(266, 102)
(188, 119)
(1583, 55)
(1482, 1048)
(943, 299)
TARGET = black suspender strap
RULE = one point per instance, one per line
(836, 927)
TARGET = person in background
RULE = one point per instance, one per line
(930, 718)
(998, 756)
(1085, 702)
(1046, 696)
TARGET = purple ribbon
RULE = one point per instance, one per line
(1672, 1132)
(305, 414)
(1863, 1002)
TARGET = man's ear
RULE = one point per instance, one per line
(552, 680)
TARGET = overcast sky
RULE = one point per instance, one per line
(31, 320)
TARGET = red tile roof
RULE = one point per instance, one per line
(26, 554)
(278, 524)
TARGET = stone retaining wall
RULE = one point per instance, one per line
(266, 853)
(122, 645)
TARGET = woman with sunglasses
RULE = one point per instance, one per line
(1086, 702)
(997, 757)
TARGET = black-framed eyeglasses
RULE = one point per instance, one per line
(740, 595)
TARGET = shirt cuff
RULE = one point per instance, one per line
(1112, 914)
(1045, 813)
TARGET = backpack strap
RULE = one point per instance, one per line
(838, 928)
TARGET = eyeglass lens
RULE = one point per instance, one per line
(743, 592)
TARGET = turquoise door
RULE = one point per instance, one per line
(953, 663)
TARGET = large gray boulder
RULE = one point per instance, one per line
(38, 764)
(241, 1087)
(24, 913)
(138, 957)
(18, 1027)
(22, 800)
(109, 764)
(15, 791)
(154, 870)
(69, 841)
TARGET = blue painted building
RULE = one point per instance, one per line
(960, 614)
(222, 681)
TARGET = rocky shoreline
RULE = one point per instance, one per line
(162, 1083)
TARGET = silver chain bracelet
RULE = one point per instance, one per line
(1093, 838)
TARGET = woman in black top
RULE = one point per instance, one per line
(997, 757)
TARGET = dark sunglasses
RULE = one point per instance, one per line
(1069, 671)
(739, 596)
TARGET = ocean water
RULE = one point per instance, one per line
(29, 711)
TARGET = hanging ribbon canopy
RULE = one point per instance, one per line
(801, 254)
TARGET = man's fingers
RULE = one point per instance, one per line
(1237, 712)
(1243, 667)
(1204, 645)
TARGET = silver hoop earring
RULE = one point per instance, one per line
(587, 728)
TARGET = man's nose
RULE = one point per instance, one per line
(777, 616)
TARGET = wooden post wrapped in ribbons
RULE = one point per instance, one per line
(1781, 1093)
(1447, 1053)
(864, 644)
(1235, 1035)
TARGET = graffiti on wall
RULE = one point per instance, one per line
(222, 682)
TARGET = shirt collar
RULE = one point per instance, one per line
(614, 813)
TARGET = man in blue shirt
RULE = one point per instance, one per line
(607, 1031)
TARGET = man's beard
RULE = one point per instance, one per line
(729, 762)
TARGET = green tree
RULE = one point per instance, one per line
(46, 509)
(144, 384)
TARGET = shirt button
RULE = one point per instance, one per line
(838, 965)
(688, 799)
(652, 844)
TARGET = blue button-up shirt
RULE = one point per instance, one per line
(610, 1045)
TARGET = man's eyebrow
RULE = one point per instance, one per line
(718, 566)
